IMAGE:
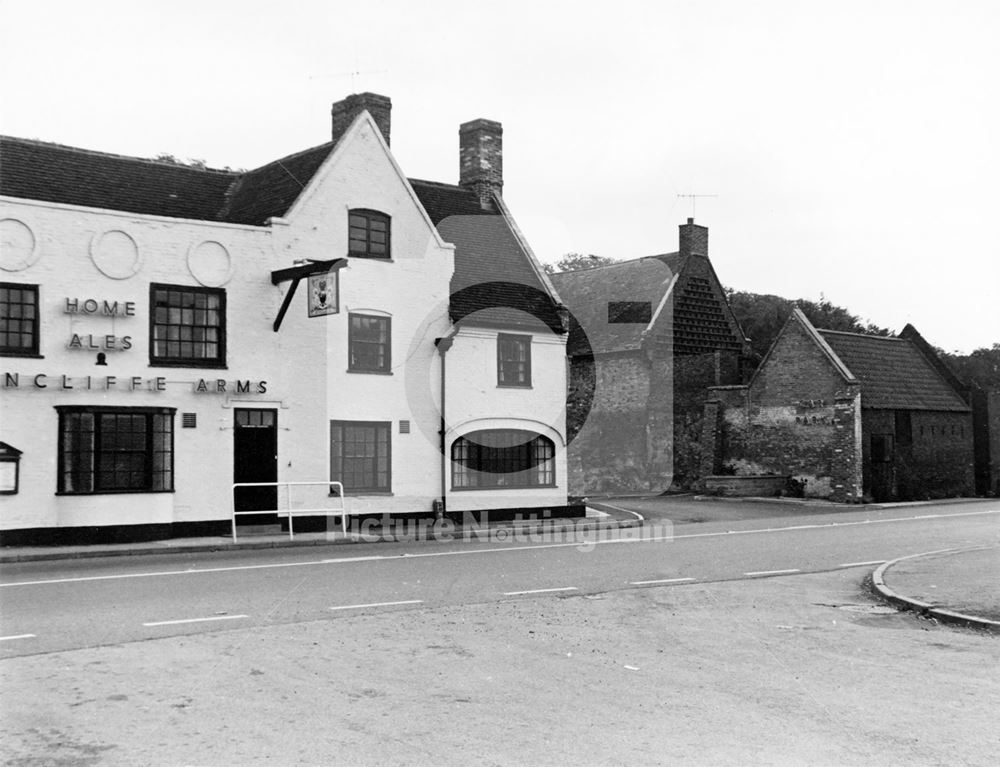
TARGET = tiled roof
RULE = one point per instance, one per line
(270, 190)
(494, 282)
(587, 293)
(893, 373)
(41, 171)
(54, 173)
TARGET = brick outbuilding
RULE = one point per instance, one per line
(843, 416)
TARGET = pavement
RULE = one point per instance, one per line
(960, 586)
(406, 530)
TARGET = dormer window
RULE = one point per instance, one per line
(368, 232)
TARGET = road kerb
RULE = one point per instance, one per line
(527, 527)
(927, 609)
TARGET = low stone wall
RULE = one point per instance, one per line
(762, 485)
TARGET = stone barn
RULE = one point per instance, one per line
(842, 416)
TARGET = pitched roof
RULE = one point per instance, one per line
(271, 190)
(54, 173)
(893, 373)
(494, 282)
(38, 170)
(602, 299)
(588, 293)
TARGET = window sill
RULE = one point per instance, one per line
(364, 493)
(188, 364)
(514, 386)
(371, 372)
(112, 492)
(383, 259)
(25, 355)
(503, 487)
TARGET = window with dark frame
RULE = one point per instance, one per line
(361, 455)
(115, 450)
(187, 326)
(513, 360)
(18, 320)
(511, 458)
(369, 342)
(368, 234)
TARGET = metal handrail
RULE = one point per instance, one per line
(288, 511)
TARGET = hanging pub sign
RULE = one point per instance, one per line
(324, 294)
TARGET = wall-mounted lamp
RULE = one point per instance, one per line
(102, 359)
(10, 469)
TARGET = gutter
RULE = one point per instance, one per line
(443, 344)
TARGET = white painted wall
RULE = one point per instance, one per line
(474, 401)
(304, 365)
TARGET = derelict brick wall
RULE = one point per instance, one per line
(662, 424)
(692, 375)
(979, 400)
(610, 448)
(801, 421)
(711, 440)
(943, 458)
(993, 423)
(938, 463)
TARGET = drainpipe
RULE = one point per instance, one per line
(443, 345)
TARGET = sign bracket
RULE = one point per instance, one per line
(294, 274)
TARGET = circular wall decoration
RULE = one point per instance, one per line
(115, 254)
(210, 263)
(18, 245)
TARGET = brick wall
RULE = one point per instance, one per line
(799, 419)
(993, 421)
(626, 440)
(938, 463)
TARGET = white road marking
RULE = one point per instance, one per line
(773, 572)
(636, 514)
(195, 620)
(494, 550)
(862, 564)
(379, 604)
(538, 591)
(17, 636)
(662, 580)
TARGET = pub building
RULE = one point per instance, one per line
(167, 331)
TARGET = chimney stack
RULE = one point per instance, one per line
(693, 239)
(480, 155)
(344, 112)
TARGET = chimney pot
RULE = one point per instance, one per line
(345, 111)
(480, 155)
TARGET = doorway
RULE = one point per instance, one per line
(255, 459)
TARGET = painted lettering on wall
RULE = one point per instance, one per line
(62, 382)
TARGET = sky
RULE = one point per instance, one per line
(851, 150)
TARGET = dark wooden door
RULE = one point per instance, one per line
(882, 457)
(255, 459)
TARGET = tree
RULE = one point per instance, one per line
(762, 316)
(573, 262)
(169, 159)
(981, 368)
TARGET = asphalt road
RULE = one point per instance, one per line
(53, 606)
